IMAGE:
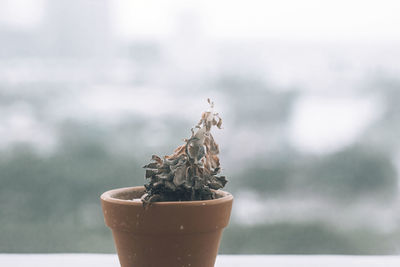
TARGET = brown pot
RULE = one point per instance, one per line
(165, 234)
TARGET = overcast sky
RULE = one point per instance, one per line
(312, 20)
(283, 19)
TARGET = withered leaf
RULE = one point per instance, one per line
(152, 165)
(170, 185)
(217, 182)
(163, 176)
(219, 124)
(179, 176)
(158, 184)
(150, 173)
(198, 184)
(157, 159)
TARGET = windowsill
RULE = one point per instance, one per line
(110, 260)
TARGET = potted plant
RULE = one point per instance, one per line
(177, 218)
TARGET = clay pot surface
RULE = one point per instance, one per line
(165, 234)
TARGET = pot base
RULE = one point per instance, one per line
(192, 250)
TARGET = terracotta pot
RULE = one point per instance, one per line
(165, 234)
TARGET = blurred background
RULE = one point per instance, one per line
(309, 92)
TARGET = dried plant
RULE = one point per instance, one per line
(190, 173)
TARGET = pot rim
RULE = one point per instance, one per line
(108, 196)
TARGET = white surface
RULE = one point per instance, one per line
(109, 260)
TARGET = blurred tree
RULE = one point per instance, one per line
(357, 171)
